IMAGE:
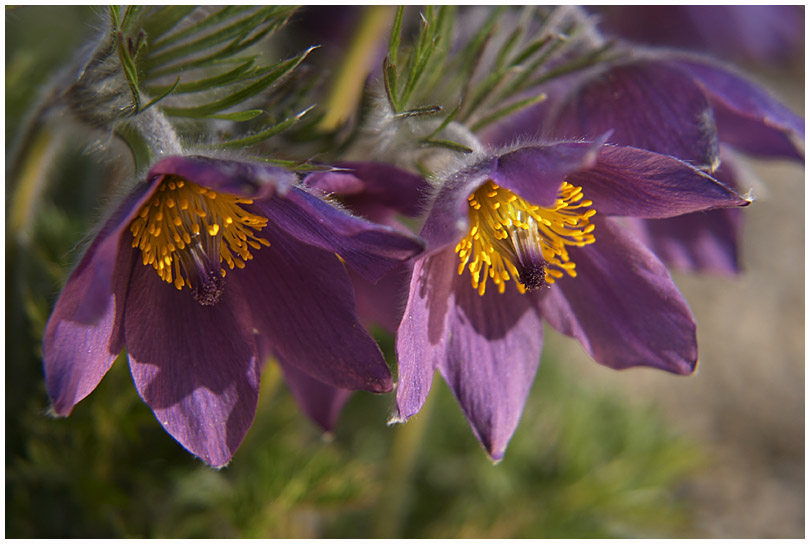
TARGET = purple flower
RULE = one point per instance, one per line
(206, 269)
(527, 235)
(762, 34)
(674, 104)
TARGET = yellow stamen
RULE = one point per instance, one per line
(186, 231)
(510, 238)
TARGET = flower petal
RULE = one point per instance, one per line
(382, 303)
(251, 179)
(487, 348)
(302, 302)
(424, 332)
(320, 401)
(748, 118)
(492, 358)
(195, 366)
(640, 183)
(533, 172)
(77, 354)
(623, 306)
(695, 242)
(371, 249)
(92, 295)
(447, 221)
(646, 104)
(762, 34)
(536, 172)
(371, 183)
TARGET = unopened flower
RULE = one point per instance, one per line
(674, 104)
(527, 235)
(206, 268)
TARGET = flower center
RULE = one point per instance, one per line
(512, 238)
(186, 231)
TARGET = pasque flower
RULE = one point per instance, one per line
(526, 235)
(205, 269)
(763, 34)
(675, 104)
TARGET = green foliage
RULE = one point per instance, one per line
(207, 58)
(581, 465)
(491, 73)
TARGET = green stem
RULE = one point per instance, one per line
(29, 178)
(390, 512)
(141, 154)
(344, 95)
(149, 136)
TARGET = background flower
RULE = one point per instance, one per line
(760, 34)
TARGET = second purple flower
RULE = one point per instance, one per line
(527, 235)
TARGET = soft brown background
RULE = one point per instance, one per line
(745, 404)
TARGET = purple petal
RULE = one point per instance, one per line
(623, 306)
(302, 302)
(636, 182)
(77, 355)
(533, 172)
(320, 401)
(536, 173)
(350, 191)
(748, 118)
(367, 183)
(371, 249)
(487, 348)
(92, 295)
(382, 303)
(647, 105)
(195, 366)
(696, 242)
(447, 221)
(750, 33)
(250, 179)
(491, 360)
(423, 336)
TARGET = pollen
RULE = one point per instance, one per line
(510, 238)
(190, 235)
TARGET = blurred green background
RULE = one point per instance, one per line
(597, 454)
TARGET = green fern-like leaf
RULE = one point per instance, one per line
(200, 63)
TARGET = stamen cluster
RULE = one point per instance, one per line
(510, 238)
(185, 231)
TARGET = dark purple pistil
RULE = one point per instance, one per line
(533, 276)
(208, 291)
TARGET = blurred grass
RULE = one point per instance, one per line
(582, 463)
